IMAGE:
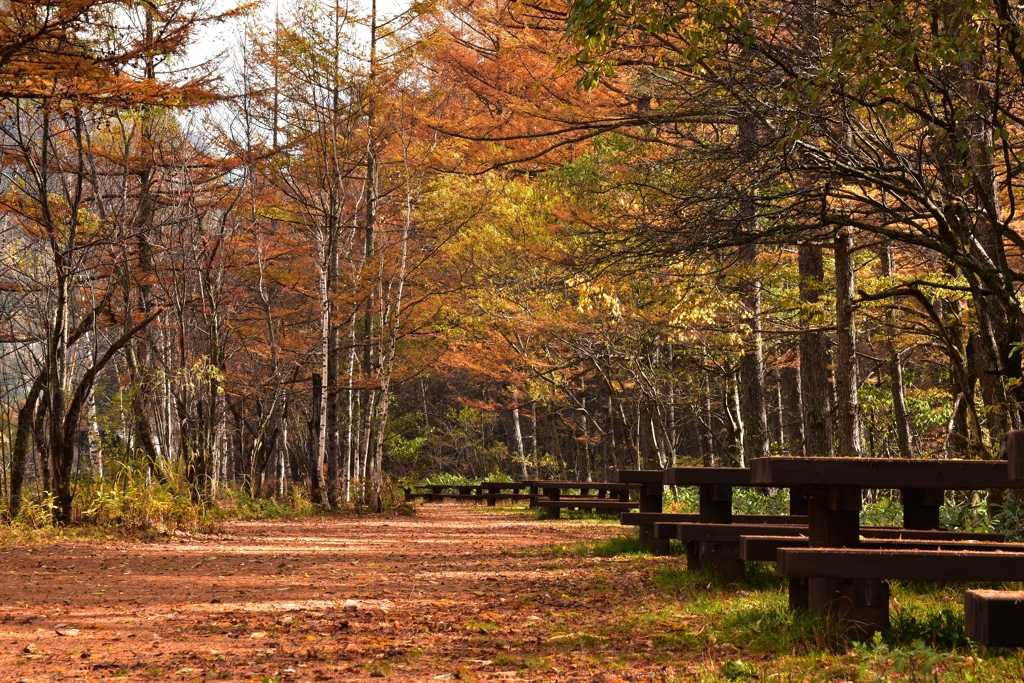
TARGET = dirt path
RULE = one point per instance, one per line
(455, 592)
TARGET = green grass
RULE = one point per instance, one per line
(617, 546)
(746, 631)
(608, 517)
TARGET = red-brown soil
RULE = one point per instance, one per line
(455, 592)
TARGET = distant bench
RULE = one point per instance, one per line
(715, 486)
(488, 491)
(555, 496)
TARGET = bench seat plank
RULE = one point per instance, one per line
(911, 565)
(929, 534)
(586, 503)
(725, 533)
(589, 485)
(995, 618)
(643, 518)
(650, 518)
(764, 548)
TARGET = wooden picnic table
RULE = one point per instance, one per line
(652, 494)
(852, 584)
(555, 496)
(487, 491)
(715, 485)
(601, 487)
(996, 618)
(504, 490)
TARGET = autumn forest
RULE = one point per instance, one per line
(480, 238)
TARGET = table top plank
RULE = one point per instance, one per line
(882, 473)
(702, 476)
(639, 476)
(606, 485)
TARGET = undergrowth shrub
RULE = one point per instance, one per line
(1009, 517)
(446, 479)
(917, 661)
(883, 510)
(127, 501)
(132, 504)
(939, 630)
(965, 511)
(745, 500)
(243, 506)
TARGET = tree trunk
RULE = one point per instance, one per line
(814, 372)
(707, 432)
(775, 417)
(316, 463)
(752, 404)
(556, 447)
(42, 443)
(899, 405)
(19, 454)
(533, 443)
(517, 433)
(792, 411)
(734, 419)
(846, 348)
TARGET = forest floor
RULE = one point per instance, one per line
(453, 593)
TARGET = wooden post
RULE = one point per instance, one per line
(721, 558)
(921, 508)
(1015, 454)
(835, 523)
(651, 495)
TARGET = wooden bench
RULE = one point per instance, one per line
(652, 493)
(554, 507)
(995, 618)
(835, 574)
(867, 613)
(489, 492)
(716, 547)
(493, 491)
(555, 496)
(763, 548)
(715, 488)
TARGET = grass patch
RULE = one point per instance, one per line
(599, 516)
(750, 633)
(617, 546)
(758, 576)
(509, 507)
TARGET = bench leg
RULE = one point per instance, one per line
(693, 555)
(994, 618)
(861, 604)
(723, 559)
(866, 603)
(554, 513)
(798, 594)
(658, 546)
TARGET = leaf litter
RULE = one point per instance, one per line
(452, 593)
